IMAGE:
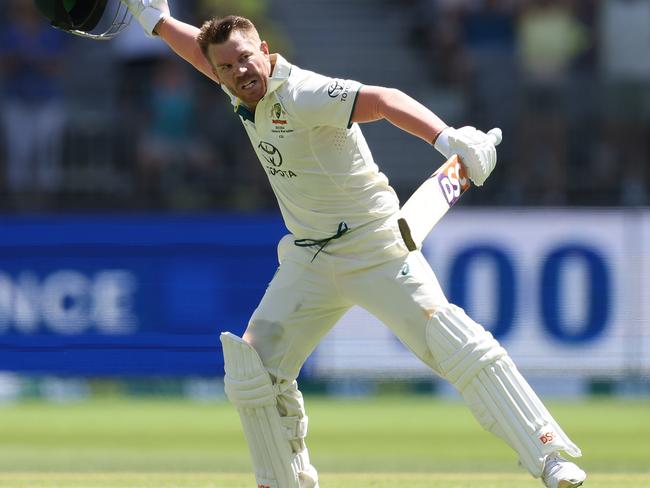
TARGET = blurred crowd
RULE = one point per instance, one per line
(567, 80)
(122, 125)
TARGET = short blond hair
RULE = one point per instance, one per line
(218, 31)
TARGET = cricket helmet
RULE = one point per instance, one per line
(93, 19)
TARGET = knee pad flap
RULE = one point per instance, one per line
(247, 382)
(460, 346)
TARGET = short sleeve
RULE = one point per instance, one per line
(322, 101)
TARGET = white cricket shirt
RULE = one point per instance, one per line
(318, 163)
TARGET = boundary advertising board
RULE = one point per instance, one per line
(566, 291)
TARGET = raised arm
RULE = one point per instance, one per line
(181, 38)
(155, 19)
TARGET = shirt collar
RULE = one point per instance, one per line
(281, 72)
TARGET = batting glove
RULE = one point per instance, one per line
(475, 148)
(148, 13)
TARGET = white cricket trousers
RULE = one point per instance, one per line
(369, 267)
(373, 269)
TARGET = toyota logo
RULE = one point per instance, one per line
(271, 153)
(335, 89)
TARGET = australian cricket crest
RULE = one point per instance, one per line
(278, 115)
(279, 122)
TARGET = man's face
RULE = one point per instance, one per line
(242, 64)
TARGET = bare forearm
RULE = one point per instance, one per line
(181, 38)
(375, 103)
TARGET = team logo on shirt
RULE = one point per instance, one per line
(279, 121)
(278, 115)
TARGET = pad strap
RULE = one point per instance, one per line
(296, 427)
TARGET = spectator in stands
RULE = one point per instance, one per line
(583, 104)
(550, 38)
(33, 109)
(625, 64)
(437, 36)
(488, 35)
(176, 164)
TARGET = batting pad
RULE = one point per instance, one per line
(498, 395)
(249, 387)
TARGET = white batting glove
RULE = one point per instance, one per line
(148, 13)
(475, 148)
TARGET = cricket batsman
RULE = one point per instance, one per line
(345, 248)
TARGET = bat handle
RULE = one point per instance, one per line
(496, 136)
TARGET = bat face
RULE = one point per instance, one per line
(431, 201)
(453, 180)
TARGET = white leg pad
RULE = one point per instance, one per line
(500, 398)
(249, 387)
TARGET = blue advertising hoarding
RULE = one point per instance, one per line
(140, 295)
(565, 291)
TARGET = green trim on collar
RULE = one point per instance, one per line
(243, 111)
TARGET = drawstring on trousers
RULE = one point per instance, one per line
(321, 243)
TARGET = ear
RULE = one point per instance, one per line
(216, 74)
(264, 47)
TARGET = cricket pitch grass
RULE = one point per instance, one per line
(383, 442)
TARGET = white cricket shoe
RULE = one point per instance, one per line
(560, 473)
(308, 478)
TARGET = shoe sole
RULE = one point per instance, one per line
(569, 484)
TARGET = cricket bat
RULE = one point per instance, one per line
(431, 201)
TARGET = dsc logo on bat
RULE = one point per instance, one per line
(453, 180)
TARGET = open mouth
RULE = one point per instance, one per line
(248, 85)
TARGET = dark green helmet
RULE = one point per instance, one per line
(94, 19)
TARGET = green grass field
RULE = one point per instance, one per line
(378, 442)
